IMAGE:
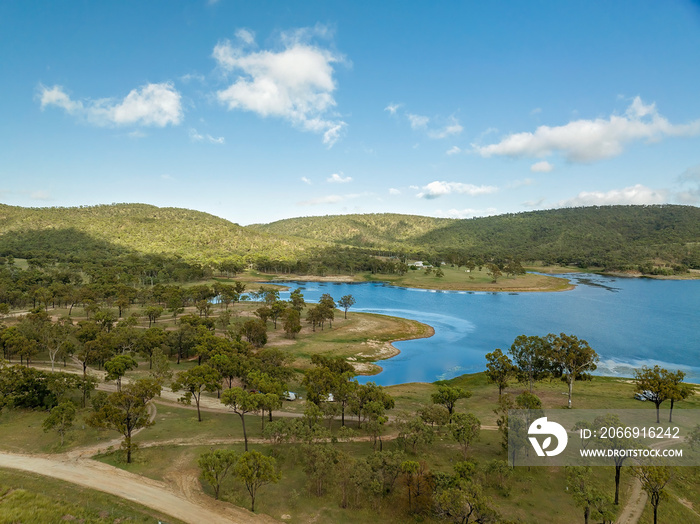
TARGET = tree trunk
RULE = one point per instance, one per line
(571, 389)
(245, 436)
(617, 484)
(670, 413)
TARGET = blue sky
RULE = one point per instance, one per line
(258, 111)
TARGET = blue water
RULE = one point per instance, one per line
(630, 322)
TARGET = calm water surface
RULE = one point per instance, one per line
(630, 322)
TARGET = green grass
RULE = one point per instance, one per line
(21, 432)
(459, 279)
(33, 499)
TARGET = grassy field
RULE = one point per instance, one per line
(33, 499)
(457, 279)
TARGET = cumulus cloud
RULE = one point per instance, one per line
(394, 191)
(541, 167)
(295, 83)
(454, 150)
(590, 140)
(437, 189)
(150, 105)
(196, 137)
(637, 194)
(336, 178)
(306, 180)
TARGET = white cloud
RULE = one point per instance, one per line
(536, 111)
(454, 150)
(452, 128)
(437, 189)
(295, 83)
(246, 36)
(196, 137)
(336, 178)
(306, 180)
(590, 140)
(150, 105)
(637, 194)
(394, 191)
(541, 167)
(189, 77)
(417, 121)
(392, 108)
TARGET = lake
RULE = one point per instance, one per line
(630, 322)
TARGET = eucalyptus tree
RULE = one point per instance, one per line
(571, 359)
(194, 382)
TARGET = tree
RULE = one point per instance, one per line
(241, 402)
(654, 480)
(616, 443)
(215, 466)
(256, 470)
(499, 369)
(296, 300)
(530, 356)
(153, 313)
(126, 411)
(194, 382)
(676, 390)
(494, 272)
(346, 302)
(465, 429)
(151, 340)
(292, 322)
(654, 383)
(414, 431)
(448, 397)
(117, 367)
(594, 503)
(571, 359)
(61, 418)
(255, 332)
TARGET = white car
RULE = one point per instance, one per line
(290, 395)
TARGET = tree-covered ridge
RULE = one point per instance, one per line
(608, 236)
(383, 230)
(119, 228)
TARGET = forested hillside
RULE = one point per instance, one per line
(646, 238)
(122, 228)
(609, 236)
(371, 230)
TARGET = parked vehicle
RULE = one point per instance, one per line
(290, 395)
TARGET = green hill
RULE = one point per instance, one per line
(619, 237)
(382, 231)
(611, 236)
(123, 228)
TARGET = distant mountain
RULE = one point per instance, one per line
(122, 228)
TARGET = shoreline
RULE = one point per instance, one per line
(369, 369)
(566, 285)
